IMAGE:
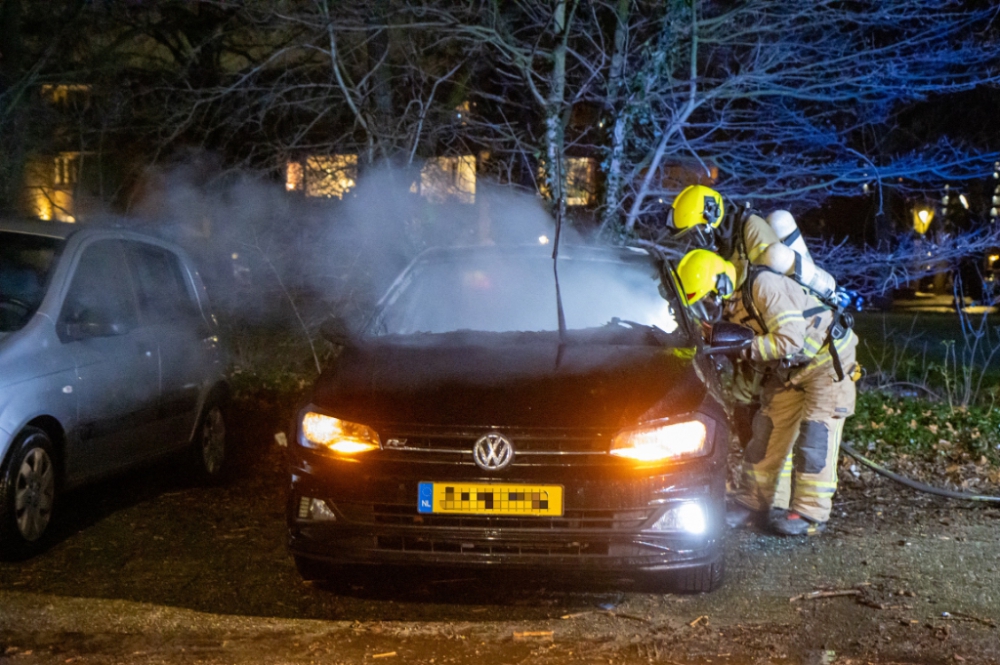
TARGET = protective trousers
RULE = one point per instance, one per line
(791, 460)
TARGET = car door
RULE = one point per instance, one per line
(168, 306)
(117, 361)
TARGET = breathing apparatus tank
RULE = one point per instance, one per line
(791, 257)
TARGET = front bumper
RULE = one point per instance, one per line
(612, 522)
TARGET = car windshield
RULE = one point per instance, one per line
(25, 263)
(507, 293)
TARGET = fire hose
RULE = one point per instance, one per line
(913, 484)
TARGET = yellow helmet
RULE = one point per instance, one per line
(703, 273)
(697, 204)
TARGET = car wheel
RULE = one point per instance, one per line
(699, 579)
(27, 493)
(209, 450)
(311, 570)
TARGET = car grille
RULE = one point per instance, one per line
(396, 515)
(419, 444)
(439, 545)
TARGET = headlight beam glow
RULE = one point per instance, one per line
(655, 444)
(339, 436)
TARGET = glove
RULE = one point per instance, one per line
(843, 297)
(847, 298)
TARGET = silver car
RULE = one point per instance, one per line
(109, 358)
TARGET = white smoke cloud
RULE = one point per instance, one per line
(262, 249)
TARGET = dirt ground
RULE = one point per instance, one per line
(151, 569)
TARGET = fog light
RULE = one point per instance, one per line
(315, 509)
(304, 507)
(687, 517)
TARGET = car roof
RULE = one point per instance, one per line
(63, 230)
(566, 251)
(60, 230)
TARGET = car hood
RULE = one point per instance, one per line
(510, 380)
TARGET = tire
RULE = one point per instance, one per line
(28, 488)
(208, 451)
(311, 570)
(699, 579)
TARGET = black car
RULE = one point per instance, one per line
(502, 408)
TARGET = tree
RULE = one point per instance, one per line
(785, 98)
(790, 101)
(35, 43)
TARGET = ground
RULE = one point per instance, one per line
(152, 569)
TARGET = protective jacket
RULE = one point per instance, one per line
(793, 328)
(791, 459)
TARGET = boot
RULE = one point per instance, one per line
(739, 516)
(793, 524)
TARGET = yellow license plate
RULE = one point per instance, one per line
(488, 499)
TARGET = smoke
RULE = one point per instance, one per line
(280, 259)
(277, 263)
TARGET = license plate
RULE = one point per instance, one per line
(488, 499)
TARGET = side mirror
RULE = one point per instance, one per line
(728, 339)
(335, 331)
(89, 323)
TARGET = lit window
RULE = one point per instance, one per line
(53, 204)
(579, 180)
(322, 176)
(294, 177)
(67, 169)
(64, 93)
(579, 175)
(449, 178)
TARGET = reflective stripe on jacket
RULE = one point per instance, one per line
(797, 325)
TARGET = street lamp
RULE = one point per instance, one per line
(923, 215)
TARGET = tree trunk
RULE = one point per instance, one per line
(554, 173)
(615, 108)
(378, 63)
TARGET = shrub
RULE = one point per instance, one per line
(889, 427)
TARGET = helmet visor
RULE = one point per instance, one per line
(724, 286)
(708, 309)
(699, 236)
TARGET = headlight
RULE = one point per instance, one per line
(654, 444)
(339, 436)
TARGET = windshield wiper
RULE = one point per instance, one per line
(659, 335)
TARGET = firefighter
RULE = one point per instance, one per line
(702, 220)
(700, 217)
(807, 356)
(744, 237)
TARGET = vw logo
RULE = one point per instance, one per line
(493, 452)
